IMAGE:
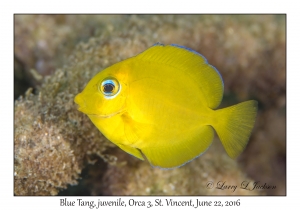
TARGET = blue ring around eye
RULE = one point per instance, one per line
(116, 87)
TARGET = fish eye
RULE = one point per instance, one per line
(109, 87)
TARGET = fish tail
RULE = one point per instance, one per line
(234, 125)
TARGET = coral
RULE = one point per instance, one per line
(54, 142)
(52, 139)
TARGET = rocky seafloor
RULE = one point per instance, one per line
(58, 151)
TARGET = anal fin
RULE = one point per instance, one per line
(188, 146)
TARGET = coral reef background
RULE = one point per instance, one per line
(57, 150)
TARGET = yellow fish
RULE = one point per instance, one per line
(161, 106)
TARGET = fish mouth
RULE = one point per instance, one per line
(81, 105)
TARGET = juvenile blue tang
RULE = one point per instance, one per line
(161, 105)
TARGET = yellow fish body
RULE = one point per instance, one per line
(160, 105)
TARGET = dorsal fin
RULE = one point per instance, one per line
(194, 64)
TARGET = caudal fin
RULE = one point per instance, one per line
(234, 125)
